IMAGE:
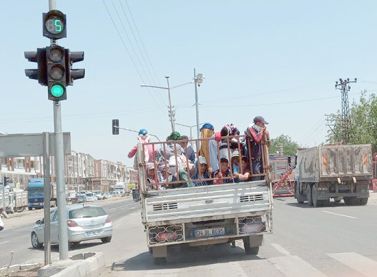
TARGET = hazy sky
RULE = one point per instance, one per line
(279, 59)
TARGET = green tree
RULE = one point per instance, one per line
(363, 117)
(283, 141)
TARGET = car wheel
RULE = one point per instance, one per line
(34, 241)
(106, 240)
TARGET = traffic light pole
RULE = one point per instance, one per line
(59, 172)
(60, 185)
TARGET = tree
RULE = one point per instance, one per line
(363, 117)
(283, 142)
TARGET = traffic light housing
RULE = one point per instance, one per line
(39, 57)
(56, 72)
(115, 126)
(54, 25)
(74, 74)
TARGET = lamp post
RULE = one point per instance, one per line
(188, 126)
(198, 80)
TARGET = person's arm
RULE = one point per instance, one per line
(132, 152)
(257, 137)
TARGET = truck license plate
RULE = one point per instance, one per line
(212, 232)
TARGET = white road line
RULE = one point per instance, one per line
(4, 242)
(281, 249)
(343, 215)
(293, 266)
(357, 262)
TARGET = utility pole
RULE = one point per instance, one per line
(344, 87)
(171, 108)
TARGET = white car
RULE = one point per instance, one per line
(84, 223)
(90, 197)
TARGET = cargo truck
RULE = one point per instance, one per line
(204, 215)
(333, 172)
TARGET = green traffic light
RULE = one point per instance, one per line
(57, 90)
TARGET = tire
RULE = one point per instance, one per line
(314, 196)
(160, 261)
(29, 208)
(309, 195)
(298, 196)
(106, 239)
(249, 250)
(34, 241)
(324, 203)
(363, 201)
(350, 201)
(73, 245)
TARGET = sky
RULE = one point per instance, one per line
(278, 59)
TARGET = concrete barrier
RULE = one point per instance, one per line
(80, 265)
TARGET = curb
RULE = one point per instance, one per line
(80, 265)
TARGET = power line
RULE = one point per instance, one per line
(129, 53)
(128, 38)
(140, 38)
(141, 50)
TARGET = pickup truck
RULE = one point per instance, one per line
(204, 215)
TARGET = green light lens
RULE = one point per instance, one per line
(57, 90)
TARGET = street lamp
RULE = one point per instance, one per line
(198, 80)
(188, 126)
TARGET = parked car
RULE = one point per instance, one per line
(81, 198)
(116, 193)
(99, 195)
(84, 223)
(107, 195)
(90, 197)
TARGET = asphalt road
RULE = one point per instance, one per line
(329, 241)
(15, 242)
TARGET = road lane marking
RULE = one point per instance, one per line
(293, 266)
(281, 249)
(357, 262)
(343, 215)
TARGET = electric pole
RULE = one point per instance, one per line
(344, 87)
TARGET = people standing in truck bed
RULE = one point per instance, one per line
(256, 136)
(202, 175)
(208, 147)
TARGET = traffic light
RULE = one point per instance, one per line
(56, 72)
(54, 25)
(39, 57)
(115, 126)
(74, 74)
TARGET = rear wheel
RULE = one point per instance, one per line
(35, 242)
(363, 201)
(106, 240)
(299, 196)
(159, 260)
(314, 193)
(248, 249)
(350, 201)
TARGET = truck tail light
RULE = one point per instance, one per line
(108, 219)
(72, 223)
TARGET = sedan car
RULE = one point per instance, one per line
(84, 223)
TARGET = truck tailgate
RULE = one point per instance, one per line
(206, 201)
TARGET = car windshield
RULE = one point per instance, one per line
(86, 212)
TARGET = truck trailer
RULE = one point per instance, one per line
(333, 172)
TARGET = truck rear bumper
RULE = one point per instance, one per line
(327, 195)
